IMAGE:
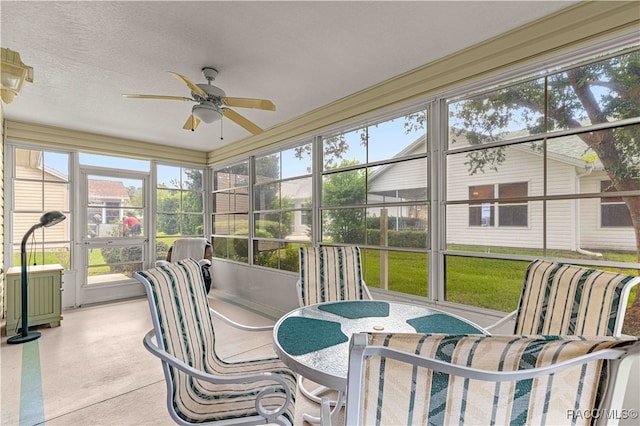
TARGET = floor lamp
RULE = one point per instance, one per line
(46, 220)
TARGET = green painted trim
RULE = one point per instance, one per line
(31, 399)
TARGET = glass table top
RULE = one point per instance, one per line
(314, 340)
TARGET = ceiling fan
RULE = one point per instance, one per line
(212, 103)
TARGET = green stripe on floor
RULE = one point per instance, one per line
(31, 400)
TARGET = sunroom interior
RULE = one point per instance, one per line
(452, 176)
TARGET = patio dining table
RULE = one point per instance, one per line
(314, 340)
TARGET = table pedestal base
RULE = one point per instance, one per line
(339, 403)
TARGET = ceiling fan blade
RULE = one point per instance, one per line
(170, 98)
(189, 83)
(250, 103)
(191, 123)
(241, 121)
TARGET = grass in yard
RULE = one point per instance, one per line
(407, 271)
(487, 283)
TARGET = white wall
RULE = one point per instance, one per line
(263, 286)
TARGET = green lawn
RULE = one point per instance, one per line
(487, 283)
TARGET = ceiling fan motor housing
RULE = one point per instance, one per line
(215, 93)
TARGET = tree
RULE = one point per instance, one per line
(598, 93)
(185, 202)
(345, 225)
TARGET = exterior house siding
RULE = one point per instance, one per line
(29, 197)
(592, 235)
(571, 224)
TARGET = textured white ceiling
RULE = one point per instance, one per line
(301, 55)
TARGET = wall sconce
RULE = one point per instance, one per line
(14, 73)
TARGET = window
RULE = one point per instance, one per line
(179, 205)
(510, 213)
(481, 213)
(613, 210)
(517, 166)
(41, 184)
(564, 131)
(374, 194)
(230, 218)
(282, 206)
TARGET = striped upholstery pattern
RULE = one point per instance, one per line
(565, 299)
(400, 393)
(330, 274)
(186, 331)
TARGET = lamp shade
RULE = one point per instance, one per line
(51, 218)
(14, 74)
(207, 112)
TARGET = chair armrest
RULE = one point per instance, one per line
(216, 314)
(150, 343)
(501, 321)
(489, 375)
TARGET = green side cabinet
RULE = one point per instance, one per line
(45, 298)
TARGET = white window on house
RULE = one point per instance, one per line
(613, 210)
(481, 213)
(512, 212)
(509, 212)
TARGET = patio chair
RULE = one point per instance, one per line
(559, 298)
(195, 248)
(201, 387)
(329, 274)
(408, 379)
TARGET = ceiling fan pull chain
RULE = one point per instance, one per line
(221, 121)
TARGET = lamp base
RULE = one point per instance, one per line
(32, 335)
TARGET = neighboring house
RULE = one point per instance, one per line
(107, 199)
(297, 191)
(390, 183)
(590, 224)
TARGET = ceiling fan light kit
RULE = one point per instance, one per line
(212, 103)
(207, 112)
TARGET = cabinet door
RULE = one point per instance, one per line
(44, 299)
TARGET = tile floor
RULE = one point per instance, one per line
(93, 370)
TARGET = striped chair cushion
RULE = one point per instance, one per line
(398, 393)
(330, 274)
(187, 333)
(567, 299)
